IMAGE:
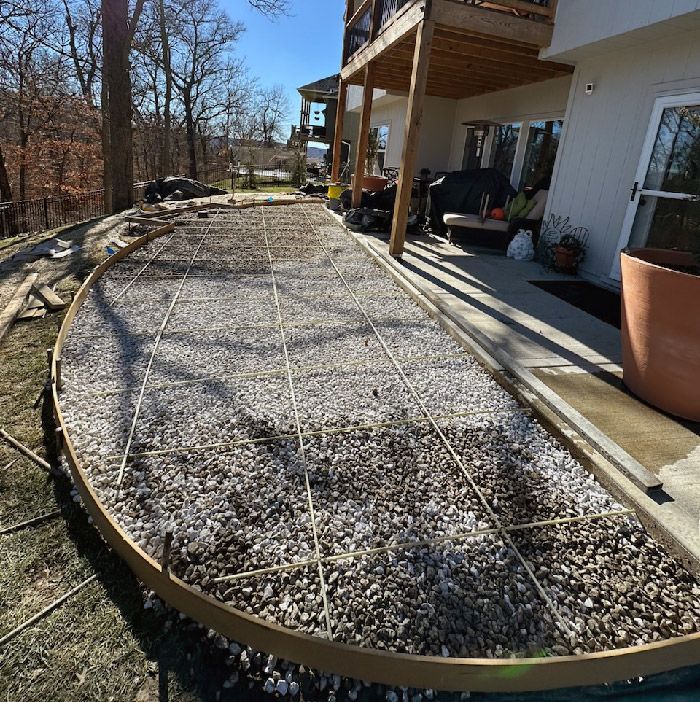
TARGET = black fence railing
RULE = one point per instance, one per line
(46, 213)
(359, 33)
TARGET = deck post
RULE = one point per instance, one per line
(363, 135)
(414, 120)
(338, 134)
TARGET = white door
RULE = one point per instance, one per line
(664, 207)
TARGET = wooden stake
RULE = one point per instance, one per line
(59, 439)
(363, 136)
(338, 136)
(58, 378)
(414, 120)
(167, 546)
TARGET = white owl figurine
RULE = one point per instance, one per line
(522, 248)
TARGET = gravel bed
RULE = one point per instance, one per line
(109, 288)
(206, 495)
(378, 487)
(290, 599)
(418, 338)
(238, 509)
(105, 362)
(523, 473)
(298, 308)
(236, 312)
(214, 412)
(318, 345)
(453, 385)
(191, 355)
(98, 317)
(470, 599)
(349, 396)
(613, 582)
(230, 286)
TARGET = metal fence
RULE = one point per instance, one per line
(43, 214)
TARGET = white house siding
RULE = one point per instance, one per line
(436, 132)
(604, 133)
(585, 27)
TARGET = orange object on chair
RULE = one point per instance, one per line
(498, 213)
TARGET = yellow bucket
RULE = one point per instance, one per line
(334, 191)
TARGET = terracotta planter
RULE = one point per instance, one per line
(661, 330)
(373, 183)
(565, 260)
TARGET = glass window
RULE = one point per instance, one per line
(376, 149)
(542, 144)
(505, 143)
(675, 161)
(474, 147)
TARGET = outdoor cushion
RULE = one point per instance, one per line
(540, 202)
(470, 221)
(516, 206)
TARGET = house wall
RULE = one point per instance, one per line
(604, 134)
(537, 101)
(589, 26)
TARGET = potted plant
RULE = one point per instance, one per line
(371, 182)
(661, 328)
(569, 251)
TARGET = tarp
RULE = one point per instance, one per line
(186, 188)
(462, 191)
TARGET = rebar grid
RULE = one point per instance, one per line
(448, 445)
(422, 543)
(302, 454)
(156, 344)
(408, 421)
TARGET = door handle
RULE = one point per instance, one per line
(634, 190)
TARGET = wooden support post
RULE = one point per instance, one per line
(338, 135)
(363, 135)
(414, 119)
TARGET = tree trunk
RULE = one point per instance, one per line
(164, 167)
(106, 153)
(5, 189)
(116, 44)
(191, 136)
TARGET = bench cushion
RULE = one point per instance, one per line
(470, 221)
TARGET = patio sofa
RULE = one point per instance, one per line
(477, 230)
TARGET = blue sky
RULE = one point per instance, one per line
(291, 51)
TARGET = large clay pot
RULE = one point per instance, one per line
(374, 184)
(661, 330)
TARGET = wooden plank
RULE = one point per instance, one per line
(492, 23)
(414, 120)
(363, 135)
(521, 6)
(16, 305)
(339, 126)
(391, 35)
(51, 300)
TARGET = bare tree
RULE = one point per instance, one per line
(83, 22)
(117, 34)
(273, 107)
(271, 8)
(201, 41)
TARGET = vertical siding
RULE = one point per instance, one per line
(605, 132)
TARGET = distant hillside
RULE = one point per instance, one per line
(316, 153)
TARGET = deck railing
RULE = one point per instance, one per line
(361, 29)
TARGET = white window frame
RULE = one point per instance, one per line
(660, 104)
(379, 125)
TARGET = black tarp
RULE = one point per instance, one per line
(462, 192)
(187, 188)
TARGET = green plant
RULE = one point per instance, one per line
(575, 242)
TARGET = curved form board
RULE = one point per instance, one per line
(396, 669)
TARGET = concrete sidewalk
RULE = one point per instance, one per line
(575, 354)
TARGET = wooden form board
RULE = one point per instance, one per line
(449, 674)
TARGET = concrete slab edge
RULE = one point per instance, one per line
(674, 527)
